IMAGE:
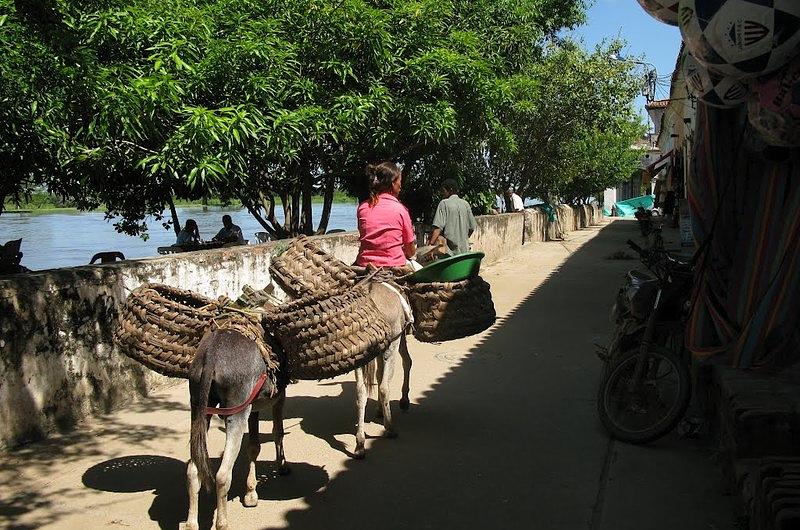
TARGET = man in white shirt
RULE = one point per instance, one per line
(516, 201)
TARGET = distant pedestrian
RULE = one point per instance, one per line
(516, 201)
(230, 233)
(189, 234)
(453, 220)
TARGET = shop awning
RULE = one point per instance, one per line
(661, 162)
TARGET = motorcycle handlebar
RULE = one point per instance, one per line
(635, 247)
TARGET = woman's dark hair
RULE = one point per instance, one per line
(380, 178)
(191, 224)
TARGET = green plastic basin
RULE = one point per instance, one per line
(452, 269)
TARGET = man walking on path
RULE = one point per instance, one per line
(453, 220)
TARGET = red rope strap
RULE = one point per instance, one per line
(230, 411)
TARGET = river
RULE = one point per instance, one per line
(70, 239)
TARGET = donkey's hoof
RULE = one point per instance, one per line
(405, 404)
(360, 453)
(284, 470)
(250, 499)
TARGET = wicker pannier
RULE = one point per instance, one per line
(305, 269)
(329, 334)
(160, 326)
(450, 311)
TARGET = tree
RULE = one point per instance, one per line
(36, 87)
(269, 102)
(569, 116)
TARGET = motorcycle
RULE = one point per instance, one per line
(646, 385)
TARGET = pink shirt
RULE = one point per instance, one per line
(384, 229)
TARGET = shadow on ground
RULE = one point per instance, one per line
(508, 438)
(64, 449)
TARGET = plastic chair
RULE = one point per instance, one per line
(107, 257)
(9, 252)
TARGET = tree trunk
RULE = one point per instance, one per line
(294, 223)
(176, 224)
(268, 203)
(255, 211)
(306, 225)
(329, 189)
(287, 203)
(264, 224)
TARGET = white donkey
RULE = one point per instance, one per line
(380, 371)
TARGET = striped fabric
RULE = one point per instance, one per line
(747, 297)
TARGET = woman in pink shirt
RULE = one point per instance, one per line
(384, 226)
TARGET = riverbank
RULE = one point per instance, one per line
(44, 204)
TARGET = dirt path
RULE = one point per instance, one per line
(502, 434)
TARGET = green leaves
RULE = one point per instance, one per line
(570, 114)
(128, 103)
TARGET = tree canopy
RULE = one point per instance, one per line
(128, 104)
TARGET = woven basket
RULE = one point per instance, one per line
(329, 334)
(252, 298)
(305, 269)
(450, 311)
(160, 326)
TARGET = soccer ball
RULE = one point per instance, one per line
(741, 38)
(663, 10)
(774, 106)
(715, 89)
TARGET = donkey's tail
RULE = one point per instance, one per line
(199, 388)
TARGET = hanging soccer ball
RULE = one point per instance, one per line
(664, 10)
(741, 38)
(774, 106)
(715, 89)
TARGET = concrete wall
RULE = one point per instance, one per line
(58, 363)
(498, 236)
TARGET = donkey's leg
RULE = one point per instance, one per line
(253, 448)
(361, 405)
(277, 433)
(386, 374)
(193, 483)
(234, 430)
(405, 403)
(374, 372)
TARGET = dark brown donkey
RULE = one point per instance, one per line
(227, 371)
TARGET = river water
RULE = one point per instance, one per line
(70, 239)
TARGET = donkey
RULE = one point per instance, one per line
(226, 370)
(379, 372)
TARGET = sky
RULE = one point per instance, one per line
(657, 42)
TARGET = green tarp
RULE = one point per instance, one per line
(628, 208)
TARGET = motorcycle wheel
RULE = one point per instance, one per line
(652, 410)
